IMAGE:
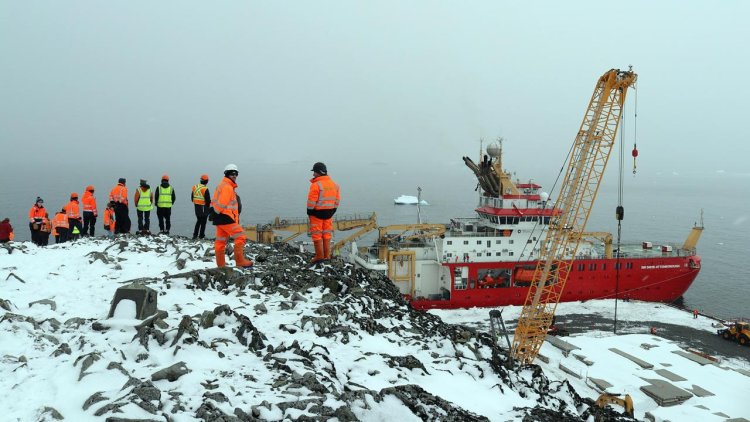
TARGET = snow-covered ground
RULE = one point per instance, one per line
(278, 352)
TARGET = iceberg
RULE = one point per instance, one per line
(409, 200)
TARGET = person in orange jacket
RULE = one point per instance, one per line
(109, 219)
(119, 195)
(74, 217)
(201, 198)
(6, 231)
(60, 226)
(322, 202)
(226, 218)
(89, 211)
(36, 215)
(44, 231)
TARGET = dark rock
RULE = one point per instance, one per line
(171, 373)
(52, 412)
(63, 349)
(146, 391)
(94, 398)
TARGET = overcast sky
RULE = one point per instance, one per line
(93, 83)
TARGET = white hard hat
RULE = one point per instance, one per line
(231, 167)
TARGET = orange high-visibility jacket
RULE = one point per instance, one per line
(60, 221)
(119, 194)
(45, 227)
(109, 218)
(225, 200)
(89, 202)
(36, 214)
(324, 194)
(199, 194)
(74, 211)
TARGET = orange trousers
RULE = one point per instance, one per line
(321, 229)
(231, 231)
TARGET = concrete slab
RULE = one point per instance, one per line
(583, 359)
(700, 392)
(561, 344)
(737, 420)
(721, 415)
(744, 372)
(642, 363)
(600, 384)
(669, 375)
(648, 346)
(666, 365)
(664, 393)
(543, 358)
(700, 406)
(695, 358)
(570, 371)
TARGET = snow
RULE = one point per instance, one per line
(81, 285)
(409, 200)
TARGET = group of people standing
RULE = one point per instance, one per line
(68, 224)
(223, 209)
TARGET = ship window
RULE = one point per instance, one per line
(489, 253)
(449, 255)
(528, 241)
(479, 242)
(502, 220)
(498, 253)
(479, 254)
(498, 242)
(592, 267)
(629, 265)
(617, 265)
(510, 241)
(450, 242)
(546, 220)
(511, 253)
(581, 267)
(466, 242)
(604, 267)
(489, 243)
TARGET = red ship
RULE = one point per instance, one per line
(489, 260)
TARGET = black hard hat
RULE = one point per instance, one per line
(121, 180)
(319, 168)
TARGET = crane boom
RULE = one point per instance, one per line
(587, 162)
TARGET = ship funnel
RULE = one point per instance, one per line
(494, 150)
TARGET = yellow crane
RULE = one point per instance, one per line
(587, 162)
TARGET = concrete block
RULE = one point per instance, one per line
(695, 358)
(642, 363)
(669, 375)
(600, 384)
(700, 392)
(144, 298)
(664, 393)
(561, 344)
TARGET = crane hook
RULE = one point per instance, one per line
(635, 154)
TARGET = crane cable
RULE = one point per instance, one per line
(620, 210)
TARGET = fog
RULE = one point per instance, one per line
(101, 90)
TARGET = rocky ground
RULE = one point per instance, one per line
(280, 341)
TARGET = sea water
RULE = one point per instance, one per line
(660, 208)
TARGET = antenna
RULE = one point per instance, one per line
(419, 203)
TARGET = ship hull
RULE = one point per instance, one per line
(652, 279)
